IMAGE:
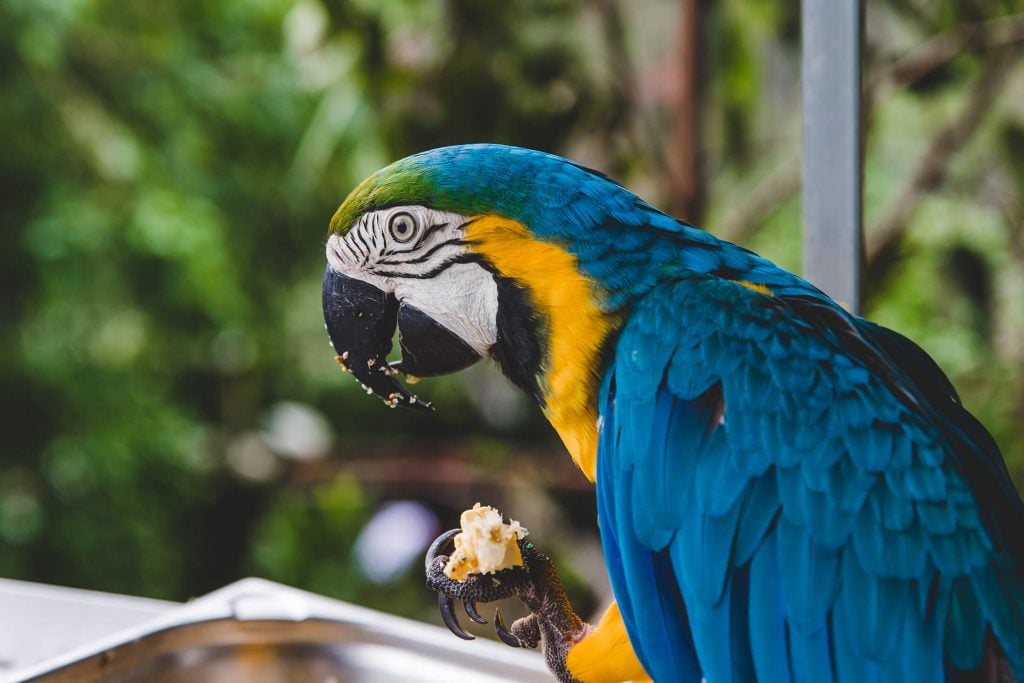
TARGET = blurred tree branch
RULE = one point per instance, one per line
(621, 118)
(783, 182)
(884, 234)
(686, 181)
(944, 47)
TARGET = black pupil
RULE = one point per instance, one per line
(403, 226)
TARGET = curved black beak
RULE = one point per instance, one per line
(360, 321)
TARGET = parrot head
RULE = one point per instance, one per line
(472, 252)
(405, 266)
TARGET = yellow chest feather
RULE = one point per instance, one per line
(577, 326)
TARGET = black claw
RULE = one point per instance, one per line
(503, 633)
(472, 613)
(447, 608)
(435, 548)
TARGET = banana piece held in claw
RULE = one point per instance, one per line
(486, 544)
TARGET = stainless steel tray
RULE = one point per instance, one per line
(263, 632)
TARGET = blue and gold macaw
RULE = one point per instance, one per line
(786, 492)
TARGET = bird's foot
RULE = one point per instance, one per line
(552, 623)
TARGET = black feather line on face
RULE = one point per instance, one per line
(434, 272)
(431, 229)
(518, 351)
(425, 256)
(358, 237)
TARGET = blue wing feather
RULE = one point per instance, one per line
(661, 630)
(781, 499)
(768, 625)
(810, 578)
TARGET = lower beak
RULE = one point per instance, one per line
(428, 348)
(361, 321)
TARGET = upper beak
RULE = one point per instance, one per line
(361, 321)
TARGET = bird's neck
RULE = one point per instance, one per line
(561, 311)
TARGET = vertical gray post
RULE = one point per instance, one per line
(832, 35)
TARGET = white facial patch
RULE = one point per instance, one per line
(463, 298)
(418, 254)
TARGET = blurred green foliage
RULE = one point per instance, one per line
(167, 175)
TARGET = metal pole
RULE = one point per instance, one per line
(832, 36)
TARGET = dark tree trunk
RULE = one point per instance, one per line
(686, 180)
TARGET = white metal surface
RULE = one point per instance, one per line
(39, 621)
(375, 646)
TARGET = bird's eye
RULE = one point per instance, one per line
(402, 227)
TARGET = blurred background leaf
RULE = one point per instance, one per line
(171, 414)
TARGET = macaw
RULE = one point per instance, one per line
(786, 491)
